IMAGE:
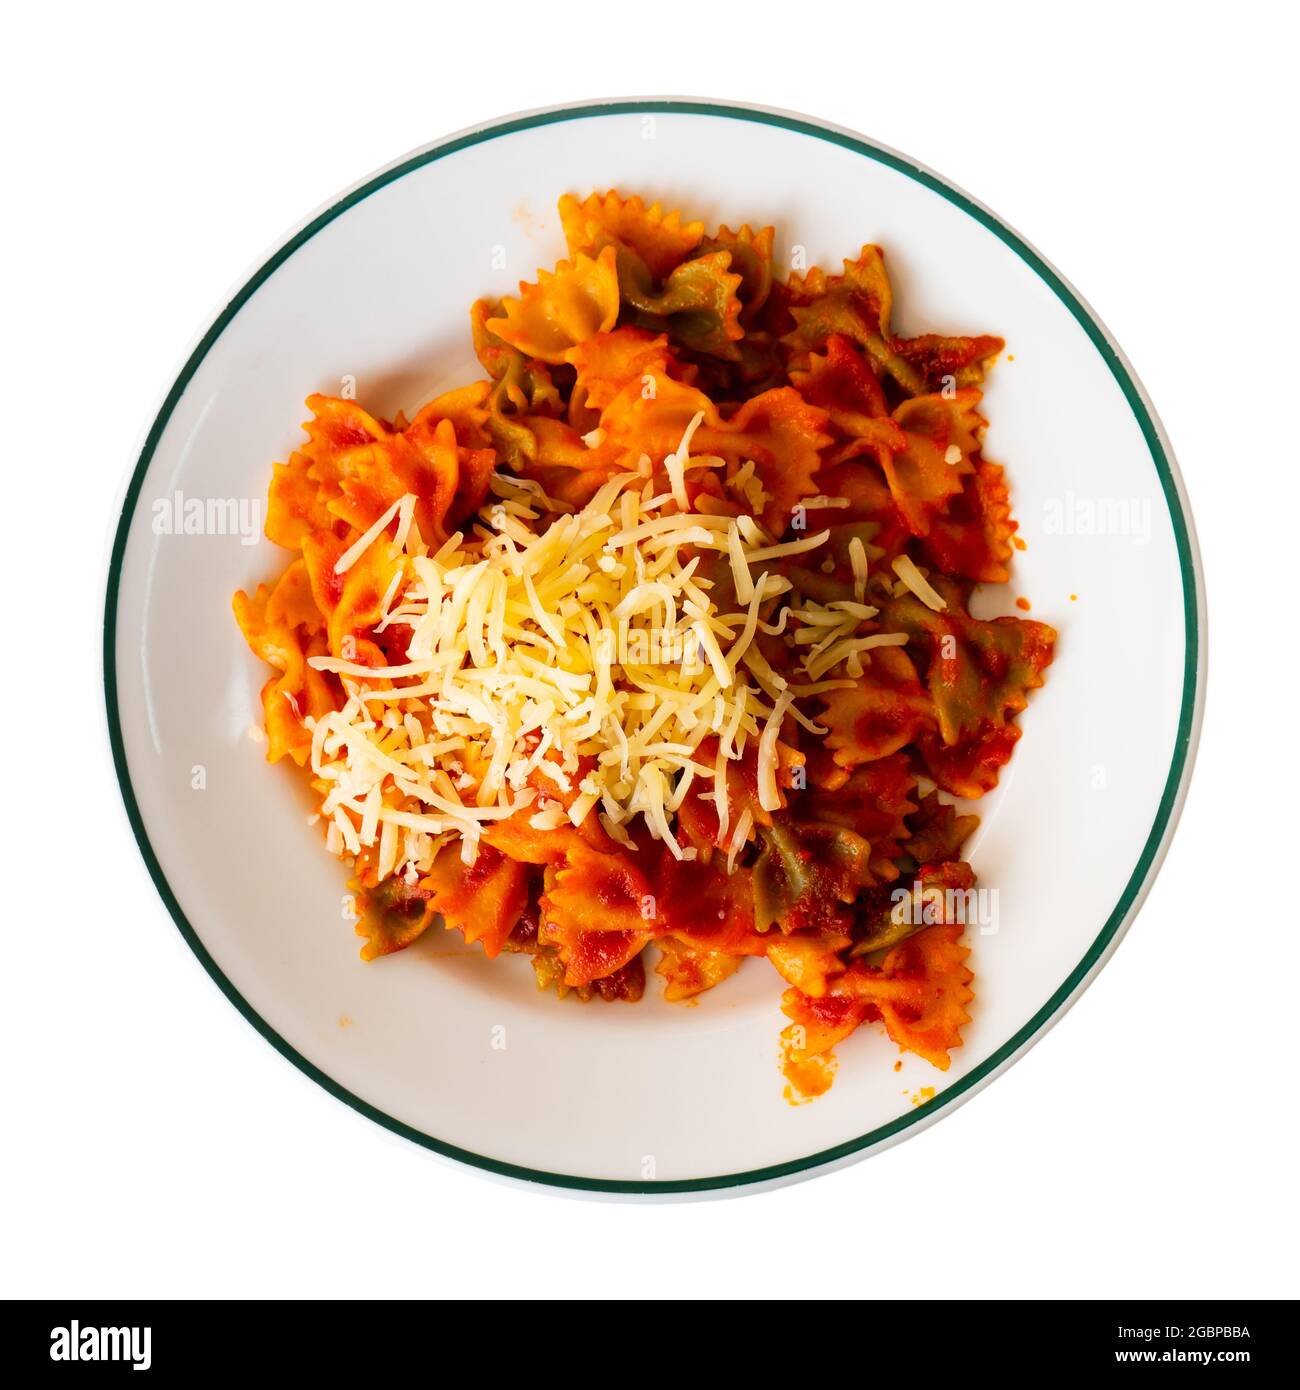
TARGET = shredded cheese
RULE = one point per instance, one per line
(359, 547)
(858, 560)
(912, 577)
(565, 663)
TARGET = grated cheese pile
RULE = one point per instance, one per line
(579, 648)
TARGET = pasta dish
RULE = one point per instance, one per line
(658, 635)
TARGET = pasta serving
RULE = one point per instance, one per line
(659, 635)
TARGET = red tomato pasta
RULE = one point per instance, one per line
(658, 636)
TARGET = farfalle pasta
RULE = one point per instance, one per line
(655, 643)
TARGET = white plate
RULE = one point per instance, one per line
(464, 1055)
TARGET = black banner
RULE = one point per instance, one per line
(93, 1339)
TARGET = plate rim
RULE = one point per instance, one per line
(1191, 706)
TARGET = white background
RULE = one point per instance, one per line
(153, 1144)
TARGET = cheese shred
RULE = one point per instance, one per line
(912, 577)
